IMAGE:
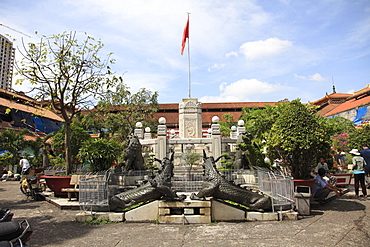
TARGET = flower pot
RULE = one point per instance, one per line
(56, 183)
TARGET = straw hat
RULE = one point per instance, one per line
(354, 151)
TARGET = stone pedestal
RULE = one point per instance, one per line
(139, 133)
(161, 151)
(190, 118)
(145, 213)
(224, 212)
(186, 212)
(216, 140)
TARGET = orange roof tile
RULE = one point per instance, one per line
(327, 109)
(209, 110)
(33, 110)
(349, 105)
(361, 91)
(17, 95)
(331, 96)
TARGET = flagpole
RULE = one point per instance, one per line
(189, 77)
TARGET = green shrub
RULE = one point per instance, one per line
(101, 153)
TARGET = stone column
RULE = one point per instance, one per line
(138, 131)
(233, 133)
(161, 149)
(147, 134)
(190, 118)
(216, 137)
(241, 129)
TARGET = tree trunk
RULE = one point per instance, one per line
(45, 158)
(67, 145)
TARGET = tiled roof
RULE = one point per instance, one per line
(362, 91)
(323, 111)
(209, 110)
(171, 117)
(15, 96)
(356, 100)
(331, 96)
(353, 103)
(168, 106)
(29, 109)
(236, 104)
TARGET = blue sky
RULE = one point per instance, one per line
(265, 50)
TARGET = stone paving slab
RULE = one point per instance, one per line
(343, 221)
(63, 203)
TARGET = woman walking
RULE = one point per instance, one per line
(359, 172)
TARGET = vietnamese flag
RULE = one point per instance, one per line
(185, 36)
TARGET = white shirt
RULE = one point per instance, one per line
(24, 164)
(325, 166)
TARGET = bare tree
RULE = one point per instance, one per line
(68, 73)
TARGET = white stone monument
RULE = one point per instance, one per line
(190, 118)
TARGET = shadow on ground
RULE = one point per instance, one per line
(47, 228)
(344, 204)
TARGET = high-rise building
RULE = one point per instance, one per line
(6, 63)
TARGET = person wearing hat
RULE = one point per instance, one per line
(358, 172)
(322, 188)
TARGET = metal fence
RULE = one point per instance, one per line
(54, 170)
(279, 187)
(187, 181)
(95, 189)
(93, 192)
(192, 181)
(129, 178)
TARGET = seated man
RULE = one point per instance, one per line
(322, 188)
(322, 164)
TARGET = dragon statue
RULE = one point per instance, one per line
(155, 189)
(218, 187)
(133, 155)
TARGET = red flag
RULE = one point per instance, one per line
(185, 36)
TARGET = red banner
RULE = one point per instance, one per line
(185, 36)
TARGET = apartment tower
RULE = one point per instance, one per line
(6, 63)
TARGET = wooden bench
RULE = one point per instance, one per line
(75, 180)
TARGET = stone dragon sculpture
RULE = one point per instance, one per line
(218, 187)
(156, 188)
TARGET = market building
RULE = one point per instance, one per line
(355, 107)
(18, 111)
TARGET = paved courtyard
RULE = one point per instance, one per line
(344, 221)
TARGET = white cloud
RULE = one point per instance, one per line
(152, 81)
(315, 77)
(232, 53)
(241, 90)
(254, 39)
(352, 91)
(264, 48)
(216, 66)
